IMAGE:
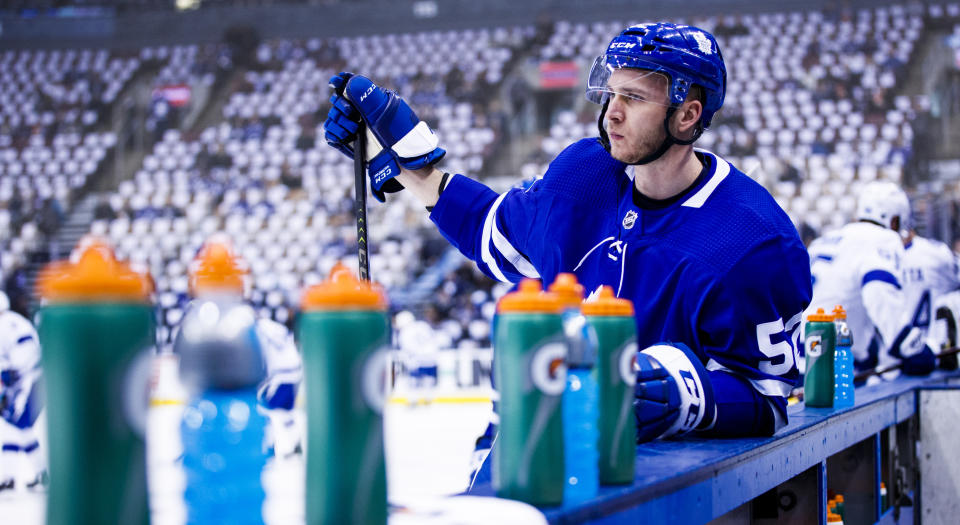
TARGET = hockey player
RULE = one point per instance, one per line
(713, 266)
(217, 270)
(930, 274)
(860, 266)
(21, 399)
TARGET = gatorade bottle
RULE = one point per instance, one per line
(839, 505)
(97, 332)
(530, 372)
(843, 394)
(344, 335)
(580, 408)
(883, 496)
(820, 344)
(616, 331)
(221, 365)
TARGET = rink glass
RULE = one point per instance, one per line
(343, 334)
(97, 331)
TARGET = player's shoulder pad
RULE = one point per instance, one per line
(585, 171)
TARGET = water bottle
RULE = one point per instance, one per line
(616, 330)
(344, 335)
(580, 405)
(221, 366)
(820, 344)
(97, 332)
(843, 395)
(530, 372)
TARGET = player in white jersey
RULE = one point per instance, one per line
(21, 399)
(859, 267)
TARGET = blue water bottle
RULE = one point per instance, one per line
(843, 392)
(221, 365)
(581, 409)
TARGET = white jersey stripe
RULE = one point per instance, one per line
(488, 227)
(510, 253)
(767, 387)
(700, 197)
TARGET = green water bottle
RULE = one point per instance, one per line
(819, 344)
(530, 373)
(344, 335)
(616, 329)
(97, 332)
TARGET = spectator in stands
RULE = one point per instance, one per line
(50, 217)
(104, 211)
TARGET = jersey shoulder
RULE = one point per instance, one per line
(586, 172)
(739, 219)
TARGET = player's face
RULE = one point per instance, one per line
(638, 105)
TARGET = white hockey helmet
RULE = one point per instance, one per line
(881, 201)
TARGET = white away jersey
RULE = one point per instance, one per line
(928, 266)
(859, 267)
(19, 344)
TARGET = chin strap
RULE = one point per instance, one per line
(668, 141)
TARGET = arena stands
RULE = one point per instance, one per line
(815, 106)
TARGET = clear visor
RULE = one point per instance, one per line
(629, 77)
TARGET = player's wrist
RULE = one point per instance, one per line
(424, 183)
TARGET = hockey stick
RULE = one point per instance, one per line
(860, 376)
(360, 188)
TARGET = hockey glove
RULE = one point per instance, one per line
(673, 394)
(917, 358)
(398, 137)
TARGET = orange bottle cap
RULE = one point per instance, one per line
(94, 276)
(567, 289)
(530, 298)
(839, 498)
(820, 317)
(839, 312)
(608, 304)
(834, 518)
(343, 291)
(217, 268)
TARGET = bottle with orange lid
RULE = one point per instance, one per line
(221, 365)
(530, 373)
(580, 408)
(96, 327)
(820, 344)
(344, 335)
(843, 390)
(616, 330)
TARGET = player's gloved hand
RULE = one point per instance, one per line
(400, 138)
(910, 346)
(343, 120)
(673, 394)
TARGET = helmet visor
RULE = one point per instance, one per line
(630, 77)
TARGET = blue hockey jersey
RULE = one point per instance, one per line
(720, 268)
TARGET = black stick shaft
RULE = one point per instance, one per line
(360, 187)
(880, 371)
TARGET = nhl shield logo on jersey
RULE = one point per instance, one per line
(629, 219)
(548, 368)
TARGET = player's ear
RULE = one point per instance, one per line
(687, 117)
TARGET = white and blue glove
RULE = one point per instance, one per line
(673, 394)
(400, 138)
